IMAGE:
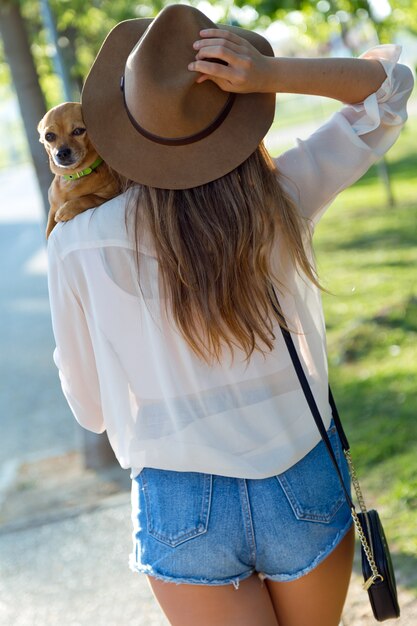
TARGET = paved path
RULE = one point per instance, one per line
(74, 572)
(70, 570)
(34, 417)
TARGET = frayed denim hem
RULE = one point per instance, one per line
(282, 578)
(147, 569)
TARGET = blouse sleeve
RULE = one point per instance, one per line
(342, 150)
(74, 354)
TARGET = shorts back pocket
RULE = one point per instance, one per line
(312, 485)
(177, 504)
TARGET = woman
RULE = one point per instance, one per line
(161, 306)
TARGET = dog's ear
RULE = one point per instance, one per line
(40, 130)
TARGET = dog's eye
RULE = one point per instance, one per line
(78, 131)
(50, 137)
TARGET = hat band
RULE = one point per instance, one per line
(180, 141)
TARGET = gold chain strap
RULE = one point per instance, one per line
(355, 482)
(367, 549)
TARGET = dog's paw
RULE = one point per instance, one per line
(66, 212)
(62, 216)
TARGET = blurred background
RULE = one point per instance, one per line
(64, 502)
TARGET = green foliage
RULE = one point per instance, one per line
(319, 19)
(4, 68)
(82, 27)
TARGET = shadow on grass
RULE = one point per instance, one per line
(394, 264)
(394, 230)
(379, 333)
(405, 568)
(399, 237)
(399, 231)
(403, 316)
(379, 416)
(404, 168)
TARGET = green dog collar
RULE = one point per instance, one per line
(85, 172)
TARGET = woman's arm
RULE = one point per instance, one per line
(347, 80)
(74, 354)
(375, 90)
(344, 148)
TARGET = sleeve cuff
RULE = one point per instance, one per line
(376, 108)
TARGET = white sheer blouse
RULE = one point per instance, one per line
(126, 369)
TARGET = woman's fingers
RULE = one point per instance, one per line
(242, 68)
(223, 53)
(217, 70)
(235, 54)
(218, 73)
(201, 44)
(214, 33)
(227, 77)
(222, 44)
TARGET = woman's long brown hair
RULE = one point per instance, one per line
(214, 244)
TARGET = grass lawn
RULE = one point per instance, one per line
(367, 259)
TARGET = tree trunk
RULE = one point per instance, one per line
(97, 450)
(98, 453)
(61, 68)
(29, 94)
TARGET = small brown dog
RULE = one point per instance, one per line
(82, 180)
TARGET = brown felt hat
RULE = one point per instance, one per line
(149, 119)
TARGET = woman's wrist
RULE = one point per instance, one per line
(272, 80)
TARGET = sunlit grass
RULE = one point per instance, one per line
(367, 258)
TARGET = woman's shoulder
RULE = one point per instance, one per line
(95, 227)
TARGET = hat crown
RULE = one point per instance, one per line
(160, 92)
(163, 129)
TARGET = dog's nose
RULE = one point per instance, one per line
(63, 153)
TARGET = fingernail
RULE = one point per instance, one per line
(196, 44)
(191, 66)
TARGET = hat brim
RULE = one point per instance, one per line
(169, 167)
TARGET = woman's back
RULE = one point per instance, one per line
(128, 368)
(160, 403)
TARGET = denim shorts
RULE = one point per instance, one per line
(207, 529)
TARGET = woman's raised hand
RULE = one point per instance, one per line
(246, 69)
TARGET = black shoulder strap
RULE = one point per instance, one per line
(311, 400)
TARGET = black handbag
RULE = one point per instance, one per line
(377, 569)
